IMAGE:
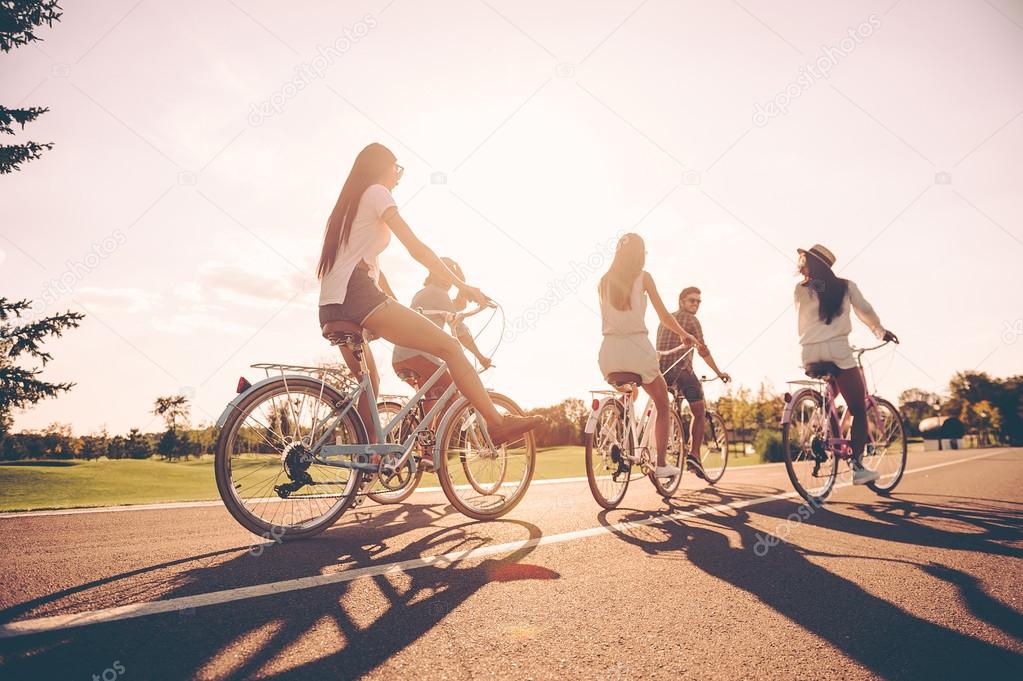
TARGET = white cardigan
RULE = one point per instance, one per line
(813, 330)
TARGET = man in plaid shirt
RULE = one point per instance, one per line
(681, 376)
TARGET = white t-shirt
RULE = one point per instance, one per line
(366, 241)
(813, 330)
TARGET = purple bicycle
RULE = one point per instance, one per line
(815, 436)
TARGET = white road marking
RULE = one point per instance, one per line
(58, 622)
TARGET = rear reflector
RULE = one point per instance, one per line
(788, 397)
(243, 385)
(596, 404)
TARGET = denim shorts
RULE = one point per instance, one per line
(362, 299)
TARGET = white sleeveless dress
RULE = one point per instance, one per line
(627, 345)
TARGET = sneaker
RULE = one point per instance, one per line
(694, 465)
(666, 472)
(861, 475)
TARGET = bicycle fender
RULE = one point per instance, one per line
(233, 404)
(591, 422)
(445, 423)
(786, 415)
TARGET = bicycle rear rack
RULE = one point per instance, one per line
(340, 379)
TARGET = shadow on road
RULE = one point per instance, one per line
(887, 639)
(375, 617)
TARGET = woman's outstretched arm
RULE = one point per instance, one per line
(424, 255)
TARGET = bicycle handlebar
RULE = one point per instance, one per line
(676, 349)
(454, 317)
(860, 351)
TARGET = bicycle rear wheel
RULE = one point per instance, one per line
(886, 453)
(481, 482)
(673, 456)
(714, 451)
(269, 477)
(609, 451)
(809, 461)
(407, 480)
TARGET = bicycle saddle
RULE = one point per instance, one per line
(624, 380)
(342, 332)
(822, 370)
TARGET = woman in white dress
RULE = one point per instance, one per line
(623, 291)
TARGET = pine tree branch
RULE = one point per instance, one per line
(14, 155)
(19, 18)
(8, 117)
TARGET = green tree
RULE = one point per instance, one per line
(136, 445)
(96, 445)
(916, 405)
(19, 20)
(172, 409)
(21, 387)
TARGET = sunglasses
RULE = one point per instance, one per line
(400, 168)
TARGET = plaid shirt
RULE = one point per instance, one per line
(668, 339)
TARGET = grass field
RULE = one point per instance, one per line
(32, 485)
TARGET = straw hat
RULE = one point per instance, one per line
(820, 253)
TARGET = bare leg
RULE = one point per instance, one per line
(850, 383)
(364, 408)
(402, 326)
(658, 391)
(697, 427)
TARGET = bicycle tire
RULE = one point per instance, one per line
(822, 457)
(491, 505)
(717, 431)
(674, 456)
(227, 486)
(885, 488)
(596, 446)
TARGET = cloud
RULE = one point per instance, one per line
(251, 286)
(111, 300)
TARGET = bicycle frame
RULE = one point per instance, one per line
(365, 388)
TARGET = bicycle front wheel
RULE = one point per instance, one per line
(482, 482)
(608, 456)
(674, 456)
(268, 475)
(886, 454)
(809, 460)
(714, 451)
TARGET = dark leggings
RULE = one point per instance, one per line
(850, 384)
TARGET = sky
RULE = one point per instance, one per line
(200, 146)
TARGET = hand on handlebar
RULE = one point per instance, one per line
(725, 378)
(475, 295)
(889, 336)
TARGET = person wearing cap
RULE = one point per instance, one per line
(824, 303)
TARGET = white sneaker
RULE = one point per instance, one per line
(666, 472)
(861, 475)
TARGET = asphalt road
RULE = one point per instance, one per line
(724, 583)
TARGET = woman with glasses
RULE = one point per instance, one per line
(358, 230)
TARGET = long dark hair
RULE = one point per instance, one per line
(617, 282)
(371, 163)
(830, 290)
